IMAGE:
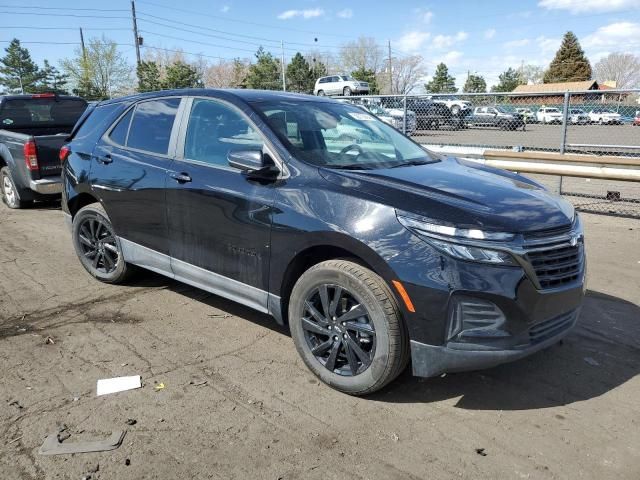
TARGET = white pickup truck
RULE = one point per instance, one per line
(549, 115)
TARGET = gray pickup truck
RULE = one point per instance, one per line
(33, 128)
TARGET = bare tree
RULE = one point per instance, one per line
(361, 54)
(531, 74)
(405, 75)
(622, 68)
(226, 73)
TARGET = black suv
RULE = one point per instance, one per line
(372, 249)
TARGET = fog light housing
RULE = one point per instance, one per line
(472, 319)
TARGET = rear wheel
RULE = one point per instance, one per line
(97, 245)
(320, 93)
(10, 193)
(347, 327)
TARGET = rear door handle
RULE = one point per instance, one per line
(105, 160)
(180, 177)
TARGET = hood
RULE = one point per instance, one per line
(464, 193)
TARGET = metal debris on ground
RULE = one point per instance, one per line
(131, 421)
(159, 386)
(49, 340)
(118, 384)
(53, 446)
(197, 383)
(480, 451)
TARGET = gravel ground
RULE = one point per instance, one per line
(238, 402)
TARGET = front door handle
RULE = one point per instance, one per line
(105, 160)
(180, 177)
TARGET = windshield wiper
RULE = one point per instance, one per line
(349, 166)
(413, 163)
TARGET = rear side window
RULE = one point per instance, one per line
(151, 125)
(119, 133)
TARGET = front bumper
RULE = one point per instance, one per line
(46, 186)
(431, 360)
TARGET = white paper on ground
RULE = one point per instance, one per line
(118, 384)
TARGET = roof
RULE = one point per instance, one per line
(557, 87)
(247, 95)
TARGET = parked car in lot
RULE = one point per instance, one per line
(373, 250)
(340, 85)
(393, 116)
(578, 116)
(604, 117)
(495, 117)
(430, 115)
(32, 130)
(455, 106)
(528, 115)
(636, 121)
(549, 115)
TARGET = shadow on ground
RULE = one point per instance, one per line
(601, 353)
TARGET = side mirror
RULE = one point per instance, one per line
(253, 163)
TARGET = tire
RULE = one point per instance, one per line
(92, 231)
(10, 193)
(384, 350)
(455, 110)
(320, 93)
(346, 92)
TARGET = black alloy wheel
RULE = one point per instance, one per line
(338, 330)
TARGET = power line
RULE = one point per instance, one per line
(231, 19)
(65, 15)
(198, 42)
(64, 28)
(65, 8)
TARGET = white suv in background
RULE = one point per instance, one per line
(340, 85)
(604, 117)
(549, 115)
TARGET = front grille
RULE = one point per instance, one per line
(550, 328)
(556, 267)
(550, 232)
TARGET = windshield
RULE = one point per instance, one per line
(346, 77)
(337, 135)
(502, 110)
(553, 110)
(577, 111)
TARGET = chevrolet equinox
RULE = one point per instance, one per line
(373, 250)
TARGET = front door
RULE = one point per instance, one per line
(219, 220)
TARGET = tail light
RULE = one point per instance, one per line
(31, 155)
(44, 95)
(64, 153)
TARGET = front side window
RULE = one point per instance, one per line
(214, 130)
(151, 125)
(338, 135)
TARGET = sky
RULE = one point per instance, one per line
(480, 37)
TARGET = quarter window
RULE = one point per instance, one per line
(119, 133)
(214, 130)
(151, 125)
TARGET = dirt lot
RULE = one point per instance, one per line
(569, 412)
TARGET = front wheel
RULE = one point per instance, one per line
(97, 245)
(320, 93)
(346, 91)
(347, 327)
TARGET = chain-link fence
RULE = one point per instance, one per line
(592, 122)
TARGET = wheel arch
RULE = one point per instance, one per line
(79, 201)
(329, 249)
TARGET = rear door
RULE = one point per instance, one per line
(129, 174)
(219, 220)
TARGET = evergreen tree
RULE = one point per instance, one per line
(299, 75)
(570, 63)
(53, 80)
(318, 70)
(442, 82)
(508, 81)
(148, 77)
(369, 76)
(265, 73)
(475, 84)
(181, 75)
(17, 71)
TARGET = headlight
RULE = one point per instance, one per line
(445, 239)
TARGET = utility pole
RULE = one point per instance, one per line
(284, 84)
(84, 50)
(136, 39)
(390, 71)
